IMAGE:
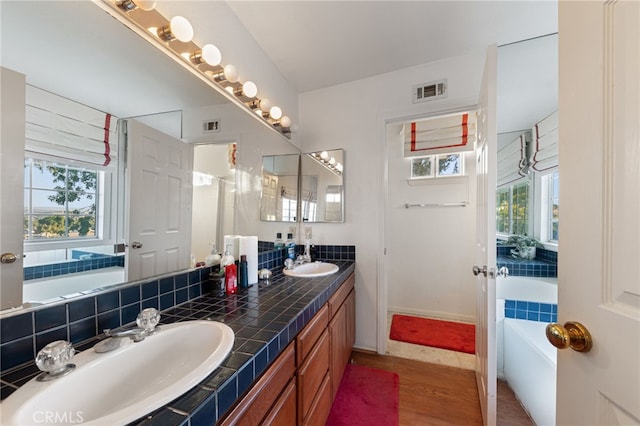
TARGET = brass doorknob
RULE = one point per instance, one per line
(8, 258)
(572, 335)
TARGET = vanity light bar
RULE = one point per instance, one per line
(204, 61)
(327, 161)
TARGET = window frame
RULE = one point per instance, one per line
(105, 208)
(435, 166)
(530, 206)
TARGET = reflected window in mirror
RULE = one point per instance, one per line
(279, 198)
(66, 207)
(60, 201)
(323, 186)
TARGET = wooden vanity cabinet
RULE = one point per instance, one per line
(300, 386)
(272, 397)
(342, 331)
(312, 346)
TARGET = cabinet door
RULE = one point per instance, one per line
(350, 324)
(337, 329)
(284, 411)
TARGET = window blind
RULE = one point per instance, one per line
(64, 128)
(544, 152)
(513, 161)
(451, 133)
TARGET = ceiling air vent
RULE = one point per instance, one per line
(430, 91)
(210, 126)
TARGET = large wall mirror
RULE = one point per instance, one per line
(303, 188)
(79, 52)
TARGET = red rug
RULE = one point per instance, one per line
(449, 335)
(366, 396)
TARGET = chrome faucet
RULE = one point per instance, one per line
(147, 321)
(136, 334)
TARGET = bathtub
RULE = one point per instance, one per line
(50, 288)
(526, 360)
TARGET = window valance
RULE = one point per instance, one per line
(64, 128)
(451, 133)
(513, 160)
(544, 152)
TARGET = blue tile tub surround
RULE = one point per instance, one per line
(63, 268)
(265, 320)
(531, 311)
(544, 265)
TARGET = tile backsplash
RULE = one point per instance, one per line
(545, 263)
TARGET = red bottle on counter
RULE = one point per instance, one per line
(231, 279)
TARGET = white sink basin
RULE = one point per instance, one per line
(127, 383)
(309, 270)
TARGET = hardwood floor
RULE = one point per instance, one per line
(432, 394)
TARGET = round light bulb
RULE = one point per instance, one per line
(211, 54)
(285, 121)
(229, 89)
(145, 4)
(339, 167)
(324, 155)
(231, 73)
(275, 112)
(181, 28)
(265, 105)
(332, 161)
(250, 89)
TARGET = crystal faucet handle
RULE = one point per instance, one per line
(54, 357)
(148, 319)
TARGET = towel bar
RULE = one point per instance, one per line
(456, 204)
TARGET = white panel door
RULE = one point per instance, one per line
(159, 188)
(12, 90)
(486, 170)
(599, 260)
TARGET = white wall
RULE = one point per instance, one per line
(430, 249)
(352, 116)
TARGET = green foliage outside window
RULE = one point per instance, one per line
(59, 201)
(512, 209)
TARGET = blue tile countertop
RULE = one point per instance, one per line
(265, 319)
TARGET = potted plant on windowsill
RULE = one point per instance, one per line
(525, 246)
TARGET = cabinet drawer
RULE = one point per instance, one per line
(312, 373)
(340, 295)
(284, 411)
(309, 335)
(321, 407)
(258, 401)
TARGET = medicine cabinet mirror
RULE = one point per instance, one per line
(303, 188)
